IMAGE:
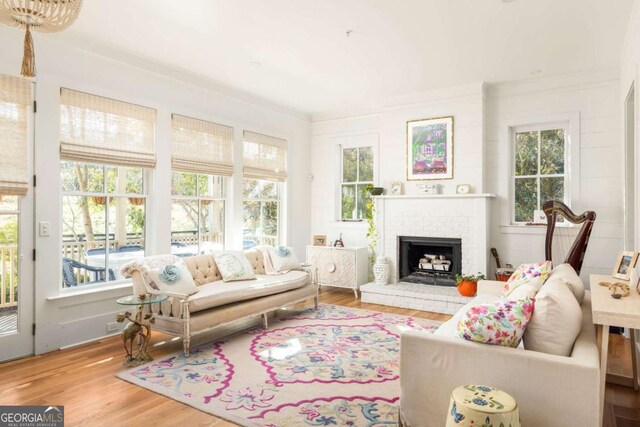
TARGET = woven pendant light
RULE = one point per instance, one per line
(47, 16)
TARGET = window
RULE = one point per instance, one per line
(265, 170)
(197, 213)
(540, 169)
(357, 179)
(103, 221)
(261, 207)
(106, 149)
(202, 155)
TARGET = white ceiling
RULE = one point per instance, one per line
(397, 46)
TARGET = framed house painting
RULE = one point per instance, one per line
(430, 149)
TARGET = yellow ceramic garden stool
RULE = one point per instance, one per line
(482, 406)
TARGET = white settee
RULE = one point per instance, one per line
(217, 303)
(551, 391)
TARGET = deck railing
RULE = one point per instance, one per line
(8, 276)
(76, 250)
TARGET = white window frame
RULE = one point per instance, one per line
(570, 122)
(281, 197)
(146, 178)
(366, 139)
(199, 199)
(357, 182)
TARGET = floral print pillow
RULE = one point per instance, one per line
(500, 323)
(530, 274)
(234, 265)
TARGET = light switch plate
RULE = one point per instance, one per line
(45, 228)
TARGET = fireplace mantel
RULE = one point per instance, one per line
(438, 196)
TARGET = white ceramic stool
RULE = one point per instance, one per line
(482, 406)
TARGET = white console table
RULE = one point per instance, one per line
(341, 267)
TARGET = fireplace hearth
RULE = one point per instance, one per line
(429, 260)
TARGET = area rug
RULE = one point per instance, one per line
(334, 366)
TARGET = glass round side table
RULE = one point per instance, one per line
(139, 328)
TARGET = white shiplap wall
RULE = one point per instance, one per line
(592, 98)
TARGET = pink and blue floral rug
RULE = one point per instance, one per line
(336, 366)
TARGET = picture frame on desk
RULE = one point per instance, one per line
(625, 264)
(319, 240)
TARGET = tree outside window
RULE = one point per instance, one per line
(540, 170)
(197, 213)
(103, 213)
(261, 212)
(357, 177)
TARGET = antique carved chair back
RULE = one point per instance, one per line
(575, 255)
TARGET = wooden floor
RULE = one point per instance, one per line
(83, 380)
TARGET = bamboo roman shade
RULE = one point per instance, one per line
(265, 157)
(15, 98)
(95, 129)
(201, 147)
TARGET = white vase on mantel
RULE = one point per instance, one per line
(381, 271)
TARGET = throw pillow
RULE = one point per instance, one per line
(502, 322)
(283, 259)
(172, 277)
(530, 274)
(569, 276)
(522, 292)
(557, 320)
(234, 265)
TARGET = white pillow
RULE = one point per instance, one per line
(283, 259)
(172, 277)
(556, 320)
(569, 276)
(234, 265)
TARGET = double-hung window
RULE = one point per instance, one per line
(202, 158)
(106, 150)
(356, 181)
(540, 168)
(265, 173)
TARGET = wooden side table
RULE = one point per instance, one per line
(607, 311)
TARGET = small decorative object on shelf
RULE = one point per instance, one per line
(339, 243)
(463, 189)
(319, 240)
(396, 188)
(624, 265)
(381, 271)
(468, 284)
(618, 290)
(377, 191)
(429, 188)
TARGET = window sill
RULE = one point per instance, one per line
(537, 229)
(96, 293)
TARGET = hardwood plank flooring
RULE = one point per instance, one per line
(83, 379)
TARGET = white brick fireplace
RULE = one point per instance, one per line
(463, 216)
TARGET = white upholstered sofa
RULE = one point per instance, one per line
(551, 391)
(218, 303)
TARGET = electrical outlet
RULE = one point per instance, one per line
(112, 326)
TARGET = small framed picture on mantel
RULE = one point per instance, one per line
(430, 149)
